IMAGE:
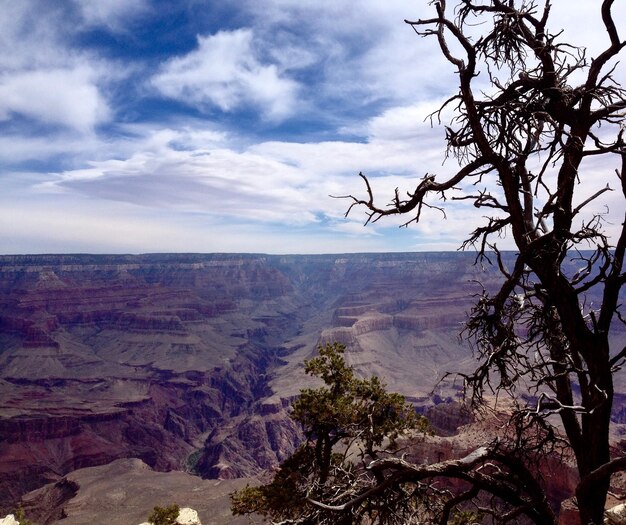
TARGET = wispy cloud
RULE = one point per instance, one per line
(59, 96)
(225, 71)
(280, 184)
(113, 14)
(42, 77)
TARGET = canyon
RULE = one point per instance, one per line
(188, 362)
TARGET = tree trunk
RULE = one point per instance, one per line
(591, 497)
(591, 502)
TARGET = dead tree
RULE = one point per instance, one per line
(522, 143)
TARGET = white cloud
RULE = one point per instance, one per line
(27, 40)
(398, 142)
(352, 227)
(362, 55)
(60, 96)
(288, 184)
(282, 183)
(406, 123)
(113, 14)
(221, 181)
(41, 76)
(224, 71)
(367, 55)
(90, 227)
(15, 149)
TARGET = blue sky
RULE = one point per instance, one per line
(210, 126)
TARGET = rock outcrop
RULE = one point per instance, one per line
(127, 490)
(616, 515)
(186, 516)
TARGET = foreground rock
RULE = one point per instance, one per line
(616, 515)
(186, 516)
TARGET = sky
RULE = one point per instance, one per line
(133, 126)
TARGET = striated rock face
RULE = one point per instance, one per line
(446, 418)
(110, 357)
(557, 473)
(251, 444)
(37, 448)
(568, 513)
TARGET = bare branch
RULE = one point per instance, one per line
(577, 209)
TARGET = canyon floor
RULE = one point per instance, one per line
(159, 370)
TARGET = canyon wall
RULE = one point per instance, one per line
(190, 362)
